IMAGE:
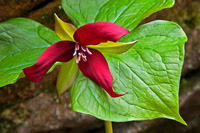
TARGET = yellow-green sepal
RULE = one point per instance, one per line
(67, 76)
(64, 31)
(112, 47)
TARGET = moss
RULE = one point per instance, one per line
(193, 21)
(4, 106)
(47, 18)
(190, 83)
(7, 126)
(47, 90)
(13, 117)
(189, 16)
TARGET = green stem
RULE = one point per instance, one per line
(108, 127)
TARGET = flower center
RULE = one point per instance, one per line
(80, 51)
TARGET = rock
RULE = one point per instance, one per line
(41, 11)
(34, 107)
(47, 113)
(45, 15)
(16, 8)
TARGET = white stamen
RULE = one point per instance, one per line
(79, 57)
(80, 51)
(77, 61)
(88, 51)
(77, 47)
(83, 48)
(74, 52)
(84, 57)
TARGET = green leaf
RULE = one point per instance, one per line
(126, 13)
(112, 47)
(67, 76)
(22, 41)
(150, 73)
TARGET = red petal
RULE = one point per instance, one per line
(96, 68)
(95, 33)
(60, 51)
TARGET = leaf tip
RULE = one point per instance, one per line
(132, 43)
(60, 91)
(180, 119)
(56, 16)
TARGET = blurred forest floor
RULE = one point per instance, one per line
(27, 107)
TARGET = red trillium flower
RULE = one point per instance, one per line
(91, 62)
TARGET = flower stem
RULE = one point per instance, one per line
(108, 127)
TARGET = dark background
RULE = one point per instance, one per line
(27, 107)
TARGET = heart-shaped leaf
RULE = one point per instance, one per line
(126, 13)
(150, 73)
(22, 41)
